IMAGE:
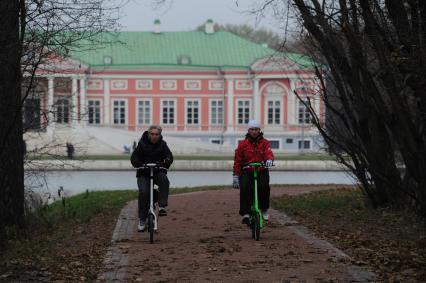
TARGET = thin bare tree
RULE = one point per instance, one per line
(32, 32)
(373, 85)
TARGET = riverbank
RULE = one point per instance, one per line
(178, 165)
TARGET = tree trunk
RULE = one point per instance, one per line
(11, 141)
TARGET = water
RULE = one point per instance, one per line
(79, 181)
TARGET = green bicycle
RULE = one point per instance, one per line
(256, 220)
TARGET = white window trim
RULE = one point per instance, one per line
(91, 87)
(161, 111)
(143, 88)
(199, 111)
(306, 139)
(101, 108)
(236, 110)
(210, 111)
(282, 113)
(165, 88)
(70, 108)
(298, 104)
(216, 88)
(192, 81)
(126, 85)
(237, 87)
(137, 110)
(126, 118)
(279, 143)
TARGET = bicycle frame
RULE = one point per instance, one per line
(151, 166)
(255, 205)
(151, 210)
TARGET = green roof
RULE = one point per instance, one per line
(138, 49)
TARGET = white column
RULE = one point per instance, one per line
(106, 103)
(83, 108)
(292, 102)
(74, 90)
(256, 101)
(50, 105)
(230, 110)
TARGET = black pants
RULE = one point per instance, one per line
(247, 191)
(144, 183)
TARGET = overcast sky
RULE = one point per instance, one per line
(184, 15)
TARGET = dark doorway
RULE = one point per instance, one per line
(32, 114)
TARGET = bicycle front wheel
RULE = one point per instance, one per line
(256, 227)
(151, 227)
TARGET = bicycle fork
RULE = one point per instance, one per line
(151, 199)
(255, 201)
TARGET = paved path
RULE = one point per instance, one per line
(202, 240)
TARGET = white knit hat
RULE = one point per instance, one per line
(253, 124)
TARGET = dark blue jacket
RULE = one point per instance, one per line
(147, 152)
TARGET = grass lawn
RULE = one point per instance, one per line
(391, 243)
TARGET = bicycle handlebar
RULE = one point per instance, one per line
(151, 165)
(256, 165)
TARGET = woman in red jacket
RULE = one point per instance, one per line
(254, 148)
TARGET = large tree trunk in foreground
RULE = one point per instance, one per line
(11, 141)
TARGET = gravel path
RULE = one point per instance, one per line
(202, 240)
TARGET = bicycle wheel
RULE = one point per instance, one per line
(257, 227)
(252, 227)
(151, 227)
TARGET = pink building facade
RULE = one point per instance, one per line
(204, 103)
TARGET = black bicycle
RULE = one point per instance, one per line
(152, 218)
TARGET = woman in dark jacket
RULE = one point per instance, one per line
(254, 148)
(152, 149)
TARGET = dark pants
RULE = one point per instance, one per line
(144, 183)
(247, 191)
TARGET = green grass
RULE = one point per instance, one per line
(82, 207)
(336, 202)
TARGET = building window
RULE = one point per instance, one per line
(168, 107)
(32, 113)
(168, 85)
(192, 85)
(274, 112)
(119, 112)
(215, 85)
(62, 111)
(304, 144)
(274, 144)
(144, 84)
(192, 112)
(304, 115)
(118, 84)
(289, 140)
(144, 112)
(94, 112)
(216, 112)
(243, 111)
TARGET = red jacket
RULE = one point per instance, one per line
(249, 150)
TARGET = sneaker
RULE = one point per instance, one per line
(162, 211)
(141, 225)
(265, 215)
(246, 219)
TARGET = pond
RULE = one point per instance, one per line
(79, 181)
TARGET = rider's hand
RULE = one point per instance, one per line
(236, 182)
(269, 163)
(167, 162)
